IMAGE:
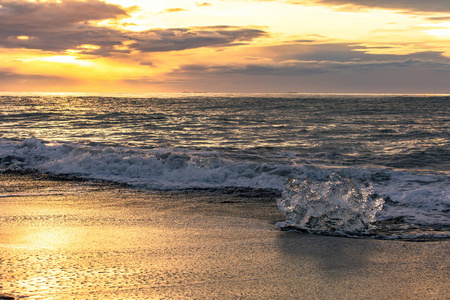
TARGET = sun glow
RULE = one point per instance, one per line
(438, 32)
(66, 59)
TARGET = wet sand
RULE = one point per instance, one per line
(73, 240)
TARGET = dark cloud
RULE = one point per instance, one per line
(21, 15)
(59, 26)
(190, 38)
(417, 74)
(56, 26)
(306, 60)
(341, 52)
(405, 5)
(441, 18)
(146, 63)
(7, 77)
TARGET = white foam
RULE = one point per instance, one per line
(417, 197)
(160, 169)
(337, 204)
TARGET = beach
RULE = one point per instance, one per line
(245, 149)
(68, 239)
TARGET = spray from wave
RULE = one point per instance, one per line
(335, 204)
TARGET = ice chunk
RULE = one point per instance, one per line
(333, 204)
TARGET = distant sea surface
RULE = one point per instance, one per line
(252, 142)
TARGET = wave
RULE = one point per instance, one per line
(337, 204)
(154, 168)
(417, 199)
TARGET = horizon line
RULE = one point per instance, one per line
(5, 93)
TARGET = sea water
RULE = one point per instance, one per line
(381, 161)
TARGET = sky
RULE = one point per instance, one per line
(306, 46)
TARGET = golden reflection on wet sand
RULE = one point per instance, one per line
(111, 243)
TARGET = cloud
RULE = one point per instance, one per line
(59, 26)
(203, 4)
(341, 52)
(173, 10)
(51, 15)
(8, 76)
(161, 40)
(440, 18)
(306, 60)
(404, 5)
(146, 63)
(425, 72)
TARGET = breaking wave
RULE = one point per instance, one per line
(335, 204)
(415, 203)
(154, 169)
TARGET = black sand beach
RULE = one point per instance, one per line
(78, 240)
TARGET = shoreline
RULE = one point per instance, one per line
(74, 239)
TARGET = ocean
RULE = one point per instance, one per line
(380, 163)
